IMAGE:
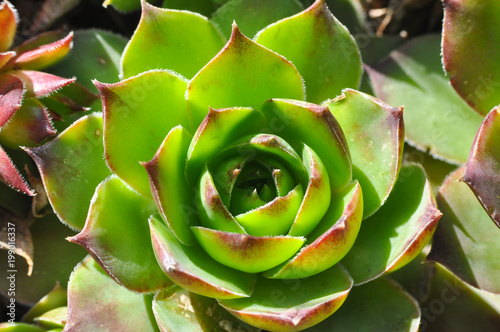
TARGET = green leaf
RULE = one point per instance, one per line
(176, 40)
(375, 136)
(55, 318)
(398, 231)
(136, 120)
(71, 166)
(482, 172)
(466, 238)
(275, 217)
(292, 305)
(218, 129)
(242, 74)
(470, 58)
(92, 293)
(253, 15)
(20, 327)
(323, 51)
(54, 299)
(292, 121)
(116, 234)
(192, 269)
(54, 258)
(380, 305)
(245, 252)
(171, 193)
(176, 309)
(123, 5)
(95, 55)
(329, 242)
(205, 8)
(435, 117)
(317, 197)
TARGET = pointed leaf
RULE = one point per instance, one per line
(253, 15)
(95, 55)
(57, 297)
(44, 55)
(71, 166)
(292, 120)
(11, 96)
(398, 231)
(8, 25)
(218, 129)
(375, 135)
(92, 293)
(176, 309)
(413, 76)
(39, 40)
(466, 237)
(5, 57)
(177, 40)
(242, 74)
(245, 252)
(317, 197)
(212, 211)
(323, 51)
(55, 318)
(117, 236)
(384, 305)
(192, 269)
(54, 259)
(29, 126)
(275, 217)
(481, 172)
(469, 58)
(11, 176)
(169, 187)
(20, 327)
(325, 247)
(40, 84)
(123, 5)
(292, 305)
(135, 107)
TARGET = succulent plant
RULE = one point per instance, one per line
(232, 180)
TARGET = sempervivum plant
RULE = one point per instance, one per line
(232, 183)
(24, 120)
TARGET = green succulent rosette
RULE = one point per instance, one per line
(222, 182)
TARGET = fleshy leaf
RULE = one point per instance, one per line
(398, 231)
(192, 269)
(71, 166)
(317, 197)
(95, 55)
(44, 55)
(466, 239)
(20, 327)
(11, 176)
(212, 211)
(292, 305)
(470, 58)
(57, 297)
(53, 319)
(169, 187)
(29, 126)
(117, 236)
(5, 57)
(11, 96)
(245, 252)
(135, 107)
(181, 41)
(292, 120)
(325, 247)
(242, 74)
(123, 5)
(54, 259)
(39, 84)
(482, 172)
(375, 136)
(92, 293)
(253, 15)
(218, 129)
(413, 76)
(275, 217)
(8, 25)
(323, 51)
(384, 305)
(176, 309)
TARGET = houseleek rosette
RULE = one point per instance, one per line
(232, 184)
